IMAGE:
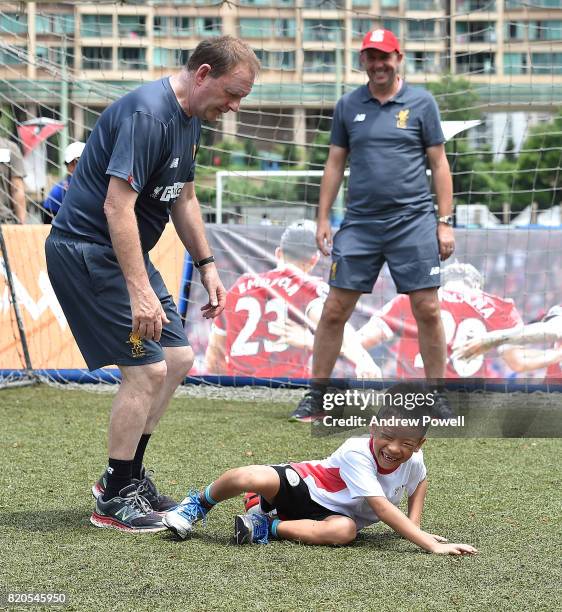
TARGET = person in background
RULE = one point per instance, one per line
(54, 200)
(266, 329)
(389, 131)
(467, 312)
(12, 190)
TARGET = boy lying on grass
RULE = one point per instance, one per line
(329, 501)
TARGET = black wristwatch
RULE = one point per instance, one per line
(446, 219)
(203, 262)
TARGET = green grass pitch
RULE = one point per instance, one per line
(503, 496)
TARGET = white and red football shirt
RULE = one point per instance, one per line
(466, 314)
(553, 372)
(343, 480)
(254, 304)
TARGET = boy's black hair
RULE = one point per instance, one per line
(407, 400)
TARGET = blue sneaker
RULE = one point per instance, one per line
(181, 519)
(251, 529)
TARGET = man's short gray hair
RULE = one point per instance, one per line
(223, 54)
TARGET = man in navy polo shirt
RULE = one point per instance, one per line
(388, 130)
(136, 172)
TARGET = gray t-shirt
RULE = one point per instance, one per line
(387, 146)
(11, 166)
(146, 139)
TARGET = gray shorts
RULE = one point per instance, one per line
(91, 290)
(408, 243)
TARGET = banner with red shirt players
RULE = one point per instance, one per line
(498, 279)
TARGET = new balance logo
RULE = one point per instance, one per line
(125, 513)
(359, 117)
(435, 270)
(175, 162)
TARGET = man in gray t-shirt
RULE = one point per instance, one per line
(388, 131)
(136, 172)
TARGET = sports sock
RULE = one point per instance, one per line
(205, 497)
(139, 456)
(319, 386)
(273, 524)
(119, 475)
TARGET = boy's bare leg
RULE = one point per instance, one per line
(262, 479)
(332, 530)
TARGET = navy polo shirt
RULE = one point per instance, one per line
(387, 146)
(146, 139)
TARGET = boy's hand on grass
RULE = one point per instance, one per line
(437, 538)
(454, 549)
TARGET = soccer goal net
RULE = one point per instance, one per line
(495, 69)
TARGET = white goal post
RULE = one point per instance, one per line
(450, 129)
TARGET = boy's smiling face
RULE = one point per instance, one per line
(393, 446)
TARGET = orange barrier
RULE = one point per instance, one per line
(50, 341)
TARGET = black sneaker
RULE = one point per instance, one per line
(442, 409)
(128, 512)
(310, 408)
(158, 502)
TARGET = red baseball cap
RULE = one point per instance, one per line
(383, 40)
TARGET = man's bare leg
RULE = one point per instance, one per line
(431, 335)
(328, 336)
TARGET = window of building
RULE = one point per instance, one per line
(424, 5)
(422, 62)
(393, 25)
(546, 63)
(54, 24)
(360, 27)
(207, 26)
(131, 58)
(267, 28)
(515, 63)
(163, 57)
(390, 3)
(514, 30)
(276, 60)
(267, 3)
(475, 31)
(476, 63)
(319, 61)
(54, 55)
(13, 23)
(360, 2)
(160, 57)
(536, 4)
(421, 29)
(160, 26)
(329, 30)
(468, 6)
(326, 5)
(545, 30)
(131, 26)
(96, 25)
(97, 58)
(182, 26)
(13, 56)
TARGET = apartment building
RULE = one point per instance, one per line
(510, 49)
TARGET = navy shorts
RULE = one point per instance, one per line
(293, 501)
(91, 290)
(408, 243)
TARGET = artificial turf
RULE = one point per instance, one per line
(502, 496)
